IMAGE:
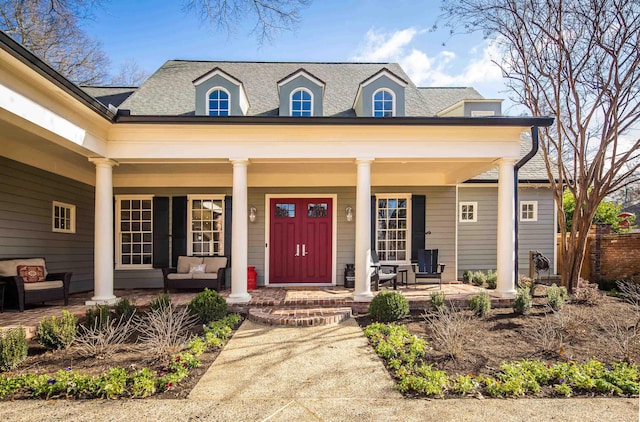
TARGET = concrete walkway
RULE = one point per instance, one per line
(326, 373)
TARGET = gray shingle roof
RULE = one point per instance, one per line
(170, 91)
(437, 99)
(110, 94)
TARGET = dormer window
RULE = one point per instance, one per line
(301, 103)
(383, 103)
(218, 102)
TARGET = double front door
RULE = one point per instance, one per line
(300, 240)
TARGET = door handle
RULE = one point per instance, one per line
(297, 250)
(304, 250)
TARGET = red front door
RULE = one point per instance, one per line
(300, 240)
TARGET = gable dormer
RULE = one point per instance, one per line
(473, 108)
(301, 94)
(220, 94)
(381, 95)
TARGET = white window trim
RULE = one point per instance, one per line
(408, 197)
(475, 212)
(393, 101)
(216, 88)
(119, 264)
(535, 210)
(72, 217)
(190, 199)
(291, 100)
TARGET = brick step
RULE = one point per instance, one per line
(299, 317)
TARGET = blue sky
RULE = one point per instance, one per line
(152, 32)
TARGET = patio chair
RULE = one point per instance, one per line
(380, 274)
(428, 266)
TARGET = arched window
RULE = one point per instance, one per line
(383, 103)
(218, 102)
(301, 103)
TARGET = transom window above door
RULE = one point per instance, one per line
(218, 102)
(393, 227)
(206, 225)
(301, 103)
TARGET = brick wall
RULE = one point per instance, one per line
(619, 256)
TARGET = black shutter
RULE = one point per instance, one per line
(228, 207)
(418, 227)
(178, 228)
(160, 232)
(373, 224)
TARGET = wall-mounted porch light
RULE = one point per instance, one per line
(349, 213)
(252, 213)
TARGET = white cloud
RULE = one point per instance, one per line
(446, 68)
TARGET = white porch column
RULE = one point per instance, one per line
(103, 238)
(239, 234)
(506, 229)
(363, 231)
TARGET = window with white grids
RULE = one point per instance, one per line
(468, 212)
(529, 211)
(393, 221)
(134, 224)
(63, 217)
(206, 225)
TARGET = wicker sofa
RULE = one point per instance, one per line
(196, 272)
(22, 289)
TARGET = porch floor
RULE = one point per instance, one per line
(278, 297)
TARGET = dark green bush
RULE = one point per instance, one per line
(492, 279)
(522, 304)
(480, 304)
(13, 348)
(467, 276)
(438, 300)
(208, 306)
(479, 278)
(54, 333)
(97, 317)
(162, 301)
(388, 306)
(124, 308)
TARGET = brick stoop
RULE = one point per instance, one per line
(299, 317)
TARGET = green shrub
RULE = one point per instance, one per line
(13, 348)
(556, 297)
(438, 300)
(124, 308)
(479, 278)
(464, 385)
(208, 306)
(97, 317)
(467, 276)
(492, 279)
(388, 306)
(480, 304)
(523, 302)
(54, 333)
(162, 301)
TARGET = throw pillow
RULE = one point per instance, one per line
(197, 269)
(31, 273)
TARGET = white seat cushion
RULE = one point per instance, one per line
(185, 263)
(205, 276)
(180, 276)
(10, 268)
(42, 285)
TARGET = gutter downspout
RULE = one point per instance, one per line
(524, 160)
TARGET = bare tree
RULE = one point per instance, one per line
(130, 74)
(271, 15)
(50, 29)
(578, 61)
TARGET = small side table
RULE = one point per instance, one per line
(3, 284)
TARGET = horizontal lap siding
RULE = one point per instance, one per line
(26, 196)
(477, 242)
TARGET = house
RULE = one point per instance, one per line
(295, 168)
